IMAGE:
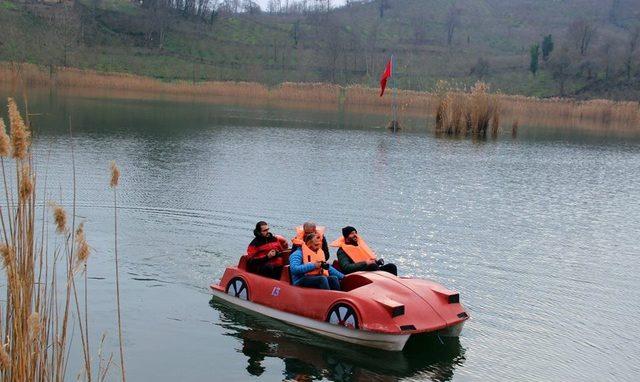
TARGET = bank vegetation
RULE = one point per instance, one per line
(448, 105)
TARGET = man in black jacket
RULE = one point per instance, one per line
(354, 255)
(264, 253)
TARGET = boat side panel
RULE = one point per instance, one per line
(392, 342)
(309, 302)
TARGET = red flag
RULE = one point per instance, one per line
(383, 79)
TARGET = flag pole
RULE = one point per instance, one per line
(394, 104)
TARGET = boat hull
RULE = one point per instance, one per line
(451, 331)
(384, 341)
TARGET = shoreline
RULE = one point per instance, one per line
(602, 116)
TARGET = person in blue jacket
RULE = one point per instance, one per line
(308, 267)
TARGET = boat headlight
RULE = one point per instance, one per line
(449, 296)
(397, 311)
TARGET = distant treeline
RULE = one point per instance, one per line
(209, 9)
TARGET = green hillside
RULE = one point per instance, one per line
(490, 40)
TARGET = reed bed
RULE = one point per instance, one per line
(459, 113)
(594, 115)
(44, 301)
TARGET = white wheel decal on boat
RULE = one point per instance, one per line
(238, 288)
(243, 294)
(343, 315)
(350, 322)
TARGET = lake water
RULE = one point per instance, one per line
(540, 235)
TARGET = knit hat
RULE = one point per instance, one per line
(347, 230)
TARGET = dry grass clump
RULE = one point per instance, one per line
(451, 115)
(461, 113)
(37, 319)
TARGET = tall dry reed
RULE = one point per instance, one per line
(37, 319)
(460, 113)
(115, 179)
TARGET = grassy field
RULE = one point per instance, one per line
(349, 45)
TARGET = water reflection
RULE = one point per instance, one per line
(308, 357)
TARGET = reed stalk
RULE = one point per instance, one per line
(115, 178)
(35, 319)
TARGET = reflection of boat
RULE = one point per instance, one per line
(374, 309)
(307, 356)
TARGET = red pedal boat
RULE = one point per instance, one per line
(374, 309)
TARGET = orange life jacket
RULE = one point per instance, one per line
(308, 256)
(357, 253)
(299, 239)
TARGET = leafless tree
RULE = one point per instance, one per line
(295, 33)
(251, 7)
(296, 7)
(322, 5)
(370, 46)
(229, 6)
(332, 40)
(560, 66)
(203, 7)
(189, 7)
(418, 28)
(607, 51)
(452, 22)
(582, 33)
(274, 6)
(481, 68)
(382, 6)
(69, 32)
(632, 47)
(614, 13)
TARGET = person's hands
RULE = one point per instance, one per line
(272, 253)
(318, 264)
(371, 262)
